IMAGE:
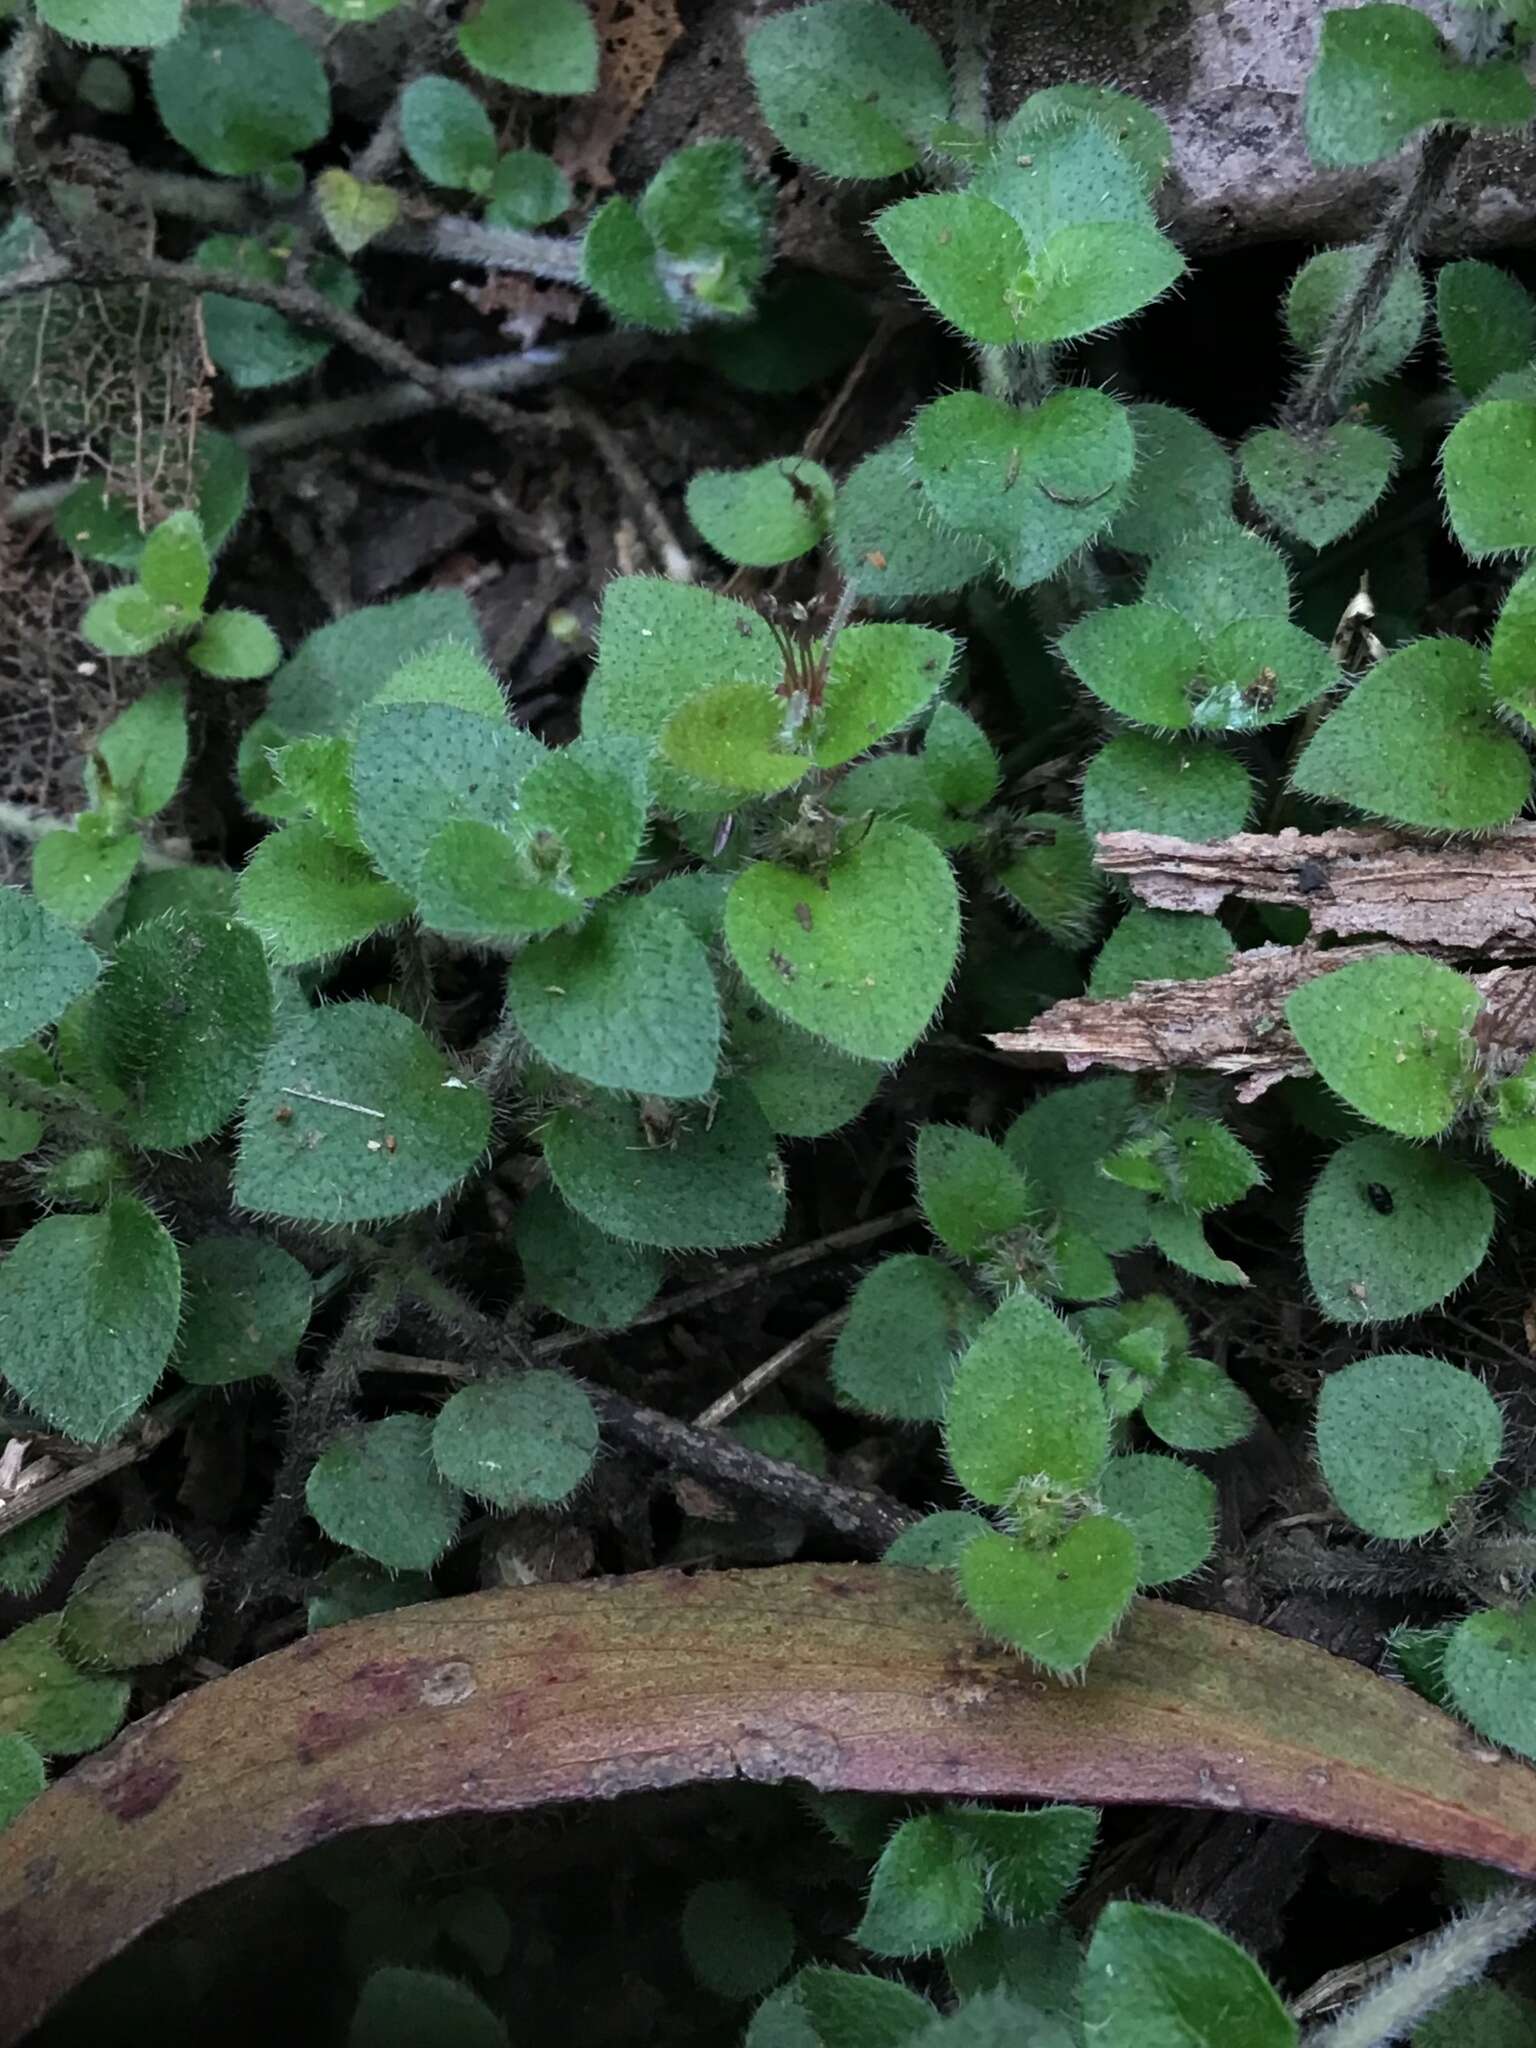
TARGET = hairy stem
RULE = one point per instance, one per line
(1320, 397)
(972, 62)
(1457, 1955)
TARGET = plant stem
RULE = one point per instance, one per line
(783, 1360)
(1457, 1955)
(320, 1404)
(1322, 394)
(972, 61)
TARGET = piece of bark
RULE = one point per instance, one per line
(851, 1678)
(1234, 1023)
(1476, 896)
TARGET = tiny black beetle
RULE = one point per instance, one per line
(1380, 1198)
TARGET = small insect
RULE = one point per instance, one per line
(803, 916)
(1379, 1197)
(282, 1114)
(1311, 876)
(1259, 695)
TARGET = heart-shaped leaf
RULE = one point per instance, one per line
(1390, 1035)
(1390, 1229)
(1025, 1404)
(1055, 1602)
(1401, 1438)
(1317, 487)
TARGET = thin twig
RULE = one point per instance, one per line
(869, 1521)
(634, 485)
(295, 301)
(854, 1238)
(783, 1360)
(151, 1432)
(1322, 393)
(335, 418)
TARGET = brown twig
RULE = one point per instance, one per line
(869, 1522)
(632, 483)
(151, 1432)
(854, 1238)
(782, 1361)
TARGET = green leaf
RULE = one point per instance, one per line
(377, 1491)
(528, 189)
(1195, 1407)
(103, 525)
(1390, 1036)
(1142, 136)
(354, 1586)
(356, 1117)
(926, 1892)
(240, 91)
(1158, 1979)
(860, 954)
(128, 622)
(660, 644)
(541, 45)
(762, 516)
(1401, 1438)
(1260, 672)
(354, 213)
(970, 1190)
(1051, 875)
(851, 87)
(448, 672)
(1183, 478)
(958, 760)
(1326, 283)
(1218, 575)
(709, 1181)
(934, 1544)
(706, 210)
(447, 134)
(1486, 466)
(248, 1304)
(1417, 741)
(620, 262)
(400, 2007)
(1033, 484)
(311, 899)
(161, 891)
(235, 647)
(804, 1087)
(1179, 1235)
(44, 967)
(23, 1775)
(113, 24)
(826, 2008)
(881, 677)
(418, 768)
(730, 740)
(46, 1697)
(1490, 1673)
(78, 872)
(343, 666)
(524, 1441)
(1024, 1403)
(1159, 945)
(256, 346)
(174, 568)
(1182, 789)
(138, 1601)
(1384, 72)
(180, 1022)
(1055, 1602)
(968, 258)
(30, 1553)
(1391, 1229)
(626, 1002)
(789, 1438)
(88, 1313)
(1142, 660)
(1487, 324)
(1512, 656)
(1060, 1141)
(804, 327)
(1485, 2014)
(573, 1268)
(1317, 488)
(1030, 1860)
(889, 544)
(908, 1321)
(1168, 1506)
(738, 1940)
(145, 752)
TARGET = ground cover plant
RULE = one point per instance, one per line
(425, 1023)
